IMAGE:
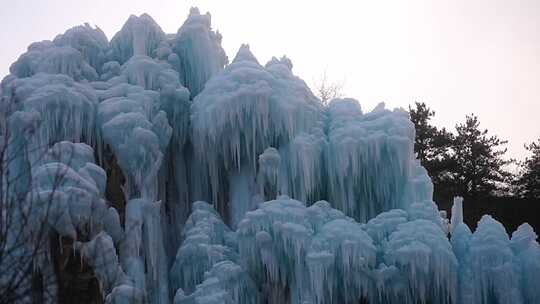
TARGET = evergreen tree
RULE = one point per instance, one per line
(425, 132)
(528, 181)
(478, 158)
(432, 148)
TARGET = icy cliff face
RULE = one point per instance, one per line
(114, 146)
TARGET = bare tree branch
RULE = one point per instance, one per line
(327, 90)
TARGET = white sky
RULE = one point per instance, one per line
(459, 56)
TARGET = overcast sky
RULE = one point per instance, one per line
(459, 56)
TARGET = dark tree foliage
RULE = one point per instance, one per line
(433, 148)
(469, 163)
(528, 180)
(480, 166)
(424, 146)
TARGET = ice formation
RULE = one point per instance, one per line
(139, 36)
(207, 241)
(197, 51)
(252, 108)
(114, 147)
(73, 184)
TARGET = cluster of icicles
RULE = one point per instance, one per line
(309, 204)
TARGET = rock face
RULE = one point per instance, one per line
(113, 149)
(77, 282)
